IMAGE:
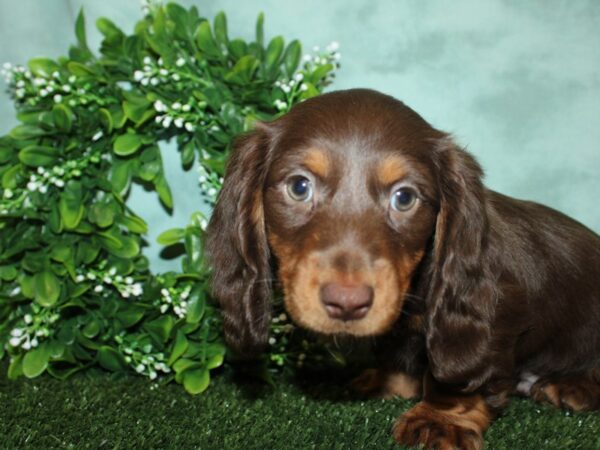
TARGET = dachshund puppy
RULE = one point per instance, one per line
(377, 224)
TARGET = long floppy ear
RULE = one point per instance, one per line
(462, 294)
(237, 246)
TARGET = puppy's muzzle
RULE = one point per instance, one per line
(346, 301)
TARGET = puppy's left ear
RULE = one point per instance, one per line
(462, 293)
(237, 246)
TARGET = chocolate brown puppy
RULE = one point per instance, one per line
(375, 223)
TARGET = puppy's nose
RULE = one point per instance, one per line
(346, 302)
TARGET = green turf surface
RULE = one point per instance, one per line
(95, 410)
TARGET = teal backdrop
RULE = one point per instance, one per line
(516, 82)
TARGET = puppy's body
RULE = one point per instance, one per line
(379, 225)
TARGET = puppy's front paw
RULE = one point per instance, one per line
(424, 426)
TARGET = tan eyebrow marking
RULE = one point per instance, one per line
(390, 170)
(317, 162)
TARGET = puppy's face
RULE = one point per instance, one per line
(350, 204)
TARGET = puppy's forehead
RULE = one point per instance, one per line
(354, 124)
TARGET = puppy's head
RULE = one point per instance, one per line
(343, 195)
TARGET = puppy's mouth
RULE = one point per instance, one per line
(364, 303)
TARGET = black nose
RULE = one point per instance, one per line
(346, 302)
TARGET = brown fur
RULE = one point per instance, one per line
(478, 290)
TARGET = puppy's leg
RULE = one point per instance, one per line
(444, 421)
(575, 392)
(386, 384)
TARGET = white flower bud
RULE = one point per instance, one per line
(189, 127)
(332, 47)
(58, 98)
(128, 280)
(79, 278)
(147, 60)
(26, 345)
(99, 288)
(186, 108)
(15, 341)
(34, 342)
(28, 319)
(140, 368)
(180, 62)
(178, 122)
(176, 106)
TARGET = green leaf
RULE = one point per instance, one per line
(188, 154)
(260, 32)
(183, 364)
(127, 144)
(196, 304)
(81, 70)
(26, 131)
(221, 28)
(130, 315)
(9, 178)
(36, 361)
(196, 381)
(37, 155)
(6, 154)
(215, 361)
(8, 273)
(160, 327)
(87, 252)
(62, 370)
(170, 237)
(70, 205)
(120, 175)
(46, 288)
(238, 48)
(61, 252)
(274, 52)
(291, 59)
(108, 28)
(194, 247)
(43, 67)
(138, 109)
(164, 191)
(243, 70)
(101, 214)
(110, 359)
(15, 369)
(80, 30)
(63, 117)
(106, 120)
(134, 224)
(205, 40)
(179, 347)
(92, 328)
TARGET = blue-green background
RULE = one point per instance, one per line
(517, 82)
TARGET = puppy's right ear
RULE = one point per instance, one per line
(237, 246)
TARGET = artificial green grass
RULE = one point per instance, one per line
(96, 410)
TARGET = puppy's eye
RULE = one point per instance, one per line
(403, 199)
(300, 188)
